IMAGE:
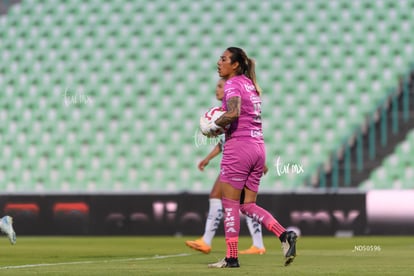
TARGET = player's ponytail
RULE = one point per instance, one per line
(251, 74)
(247, 66)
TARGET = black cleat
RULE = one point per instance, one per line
(226, 263)
(289, 247)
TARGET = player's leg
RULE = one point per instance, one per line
(6, 226)
(251, 209)
(255, 230)
(239, 157)
(215, 214)
(231, 207)
(234, 169)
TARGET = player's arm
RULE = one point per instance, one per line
(265, 169)
(214, 152)
(232, 113)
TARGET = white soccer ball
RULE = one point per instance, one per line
(211, 116)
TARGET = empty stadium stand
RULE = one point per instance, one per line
(104, 96)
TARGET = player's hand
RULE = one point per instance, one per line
(203, 163)
(265, 169)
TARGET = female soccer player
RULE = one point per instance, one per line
(244, 155)
(215, 212)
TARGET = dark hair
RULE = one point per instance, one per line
(246, 65)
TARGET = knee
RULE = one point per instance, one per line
(246, 208)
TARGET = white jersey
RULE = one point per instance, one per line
(222, 138)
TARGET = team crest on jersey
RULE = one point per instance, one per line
(249, 87)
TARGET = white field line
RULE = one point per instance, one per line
(95, 262)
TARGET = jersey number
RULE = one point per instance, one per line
(258, 111)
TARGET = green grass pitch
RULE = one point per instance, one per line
(169, 256)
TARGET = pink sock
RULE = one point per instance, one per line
(231, 226)
(264, 217)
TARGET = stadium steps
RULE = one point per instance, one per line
(393, 147)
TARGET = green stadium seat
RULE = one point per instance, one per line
(325, 67)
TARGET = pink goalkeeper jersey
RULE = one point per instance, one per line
(249, 123)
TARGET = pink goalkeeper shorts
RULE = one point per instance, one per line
(243, 163)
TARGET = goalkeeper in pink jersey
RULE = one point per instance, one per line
(215, 212)
(244, 155)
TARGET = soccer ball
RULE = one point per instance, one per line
(210, 116)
